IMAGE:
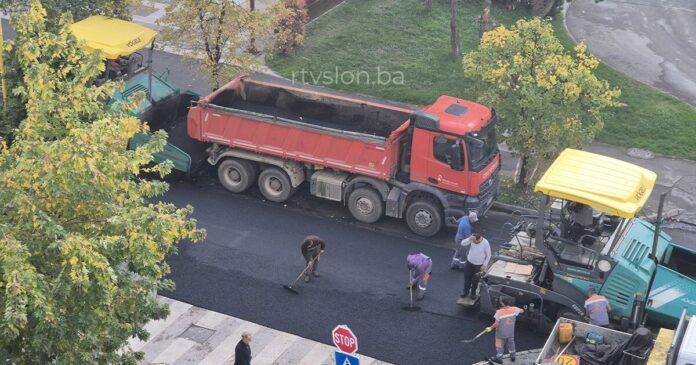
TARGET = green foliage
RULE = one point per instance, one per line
(83, 237)
(79, 9)
(547, 99)
(218, 35)
(290, 26)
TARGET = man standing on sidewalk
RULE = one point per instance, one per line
(312, 248)
(420, 266)
(242, 353)
(477, 261)
(463, 232)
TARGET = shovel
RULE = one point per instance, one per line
(291, 287)
(411, 307)
(477, 336)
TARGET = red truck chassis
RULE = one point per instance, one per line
(378, 157)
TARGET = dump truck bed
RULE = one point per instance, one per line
(273, 116)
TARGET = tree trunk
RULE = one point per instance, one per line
(455, 30)
(485, 22)
(429, 4)
(252, 40)
(522, 172)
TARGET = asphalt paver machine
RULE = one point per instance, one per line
(553, 260)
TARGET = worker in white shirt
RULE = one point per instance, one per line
(477, 261)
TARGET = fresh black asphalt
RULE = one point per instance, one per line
(252, 249)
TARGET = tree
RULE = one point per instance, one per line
(83, 237)
(14, 111)
(547, 99)
(217, 36)
(429, 5)
(290, 26)
(79, 9)
(485, 22)
(454, 38)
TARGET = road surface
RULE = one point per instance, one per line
(252, 249)
(649, 40)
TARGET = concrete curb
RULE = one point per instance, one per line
(509, 208)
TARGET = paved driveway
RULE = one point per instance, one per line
(653, 41)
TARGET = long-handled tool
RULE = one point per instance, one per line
(488, 329)
(291, 287)
(410, 307)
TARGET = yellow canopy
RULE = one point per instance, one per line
(606, 184)
(113, 37)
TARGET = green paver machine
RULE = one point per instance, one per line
(552, 260)
(144, 95)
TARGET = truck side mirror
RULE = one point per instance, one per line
(457, 162)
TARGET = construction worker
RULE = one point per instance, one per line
(312, 248)
(477, 260)
(504, 325)
(420, 267)
(463, 232)
(597, 308)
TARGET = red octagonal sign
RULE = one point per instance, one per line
(344, 339)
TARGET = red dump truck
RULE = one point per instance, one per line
(378, 157)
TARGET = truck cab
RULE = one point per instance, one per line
(591, 237)
(122, 45)
(454, 148)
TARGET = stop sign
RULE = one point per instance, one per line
(344, 339)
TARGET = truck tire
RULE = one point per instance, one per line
(366, 205)
(275, 185)
(236, 175)
(424, 217)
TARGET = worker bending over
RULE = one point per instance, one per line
(312, 248)
(420, 267)
(597, 308)
(504, 325)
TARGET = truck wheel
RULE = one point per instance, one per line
(365, 205)
(275, 185)
(424, 218)
(236, 175)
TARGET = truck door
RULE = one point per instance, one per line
(446, 163)
(674, 287)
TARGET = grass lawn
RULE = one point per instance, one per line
(401, 38)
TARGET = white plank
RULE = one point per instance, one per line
(225, 349)
(176, 309)
(177, 348)
(317, 354)
(271, 352)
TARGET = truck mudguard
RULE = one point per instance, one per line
(379, 185)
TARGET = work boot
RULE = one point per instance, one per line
(306, 279)
(315, 273)
(512, 357)
(495, 360)
(420, 295)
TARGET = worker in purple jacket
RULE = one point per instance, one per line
(420, 266)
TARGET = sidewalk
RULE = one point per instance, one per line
(193, 335)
